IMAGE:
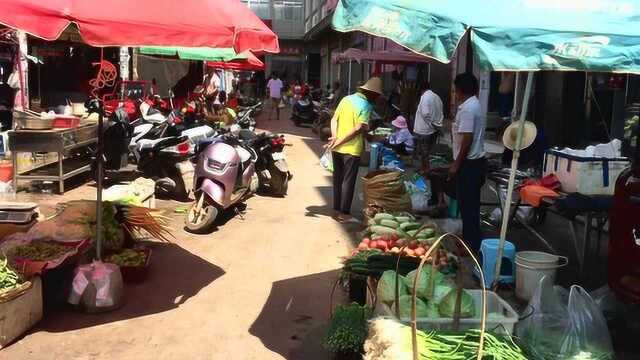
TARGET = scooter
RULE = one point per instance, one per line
(225, 175)
(271, 165)
(304, 111)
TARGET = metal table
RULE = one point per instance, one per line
(594, 220)
(60, 141)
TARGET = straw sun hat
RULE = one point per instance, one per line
(511, 134)
(374, 84)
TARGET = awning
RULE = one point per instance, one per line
(199, 53)
(382, 57)
(512, 35)
(250, 63)
(194, 23)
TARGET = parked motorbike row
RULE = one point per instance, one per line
(314, 110)
(231, 162)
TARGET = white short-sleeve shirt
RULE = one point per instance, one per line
(275, 88)
(429, 114)
(469, 119)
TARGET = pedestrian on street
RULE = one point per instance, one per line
(427, 126)
(274, 87)
(468, 168)
(349, 126)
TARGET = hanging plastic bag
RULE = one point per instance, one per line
(557, 326)
(14, 80)
(281, 104)
(326, 160)
(97, 287)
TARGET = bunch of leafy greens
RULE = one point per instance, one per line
(348, 329)
(448, 305)
(426, 285)
(422, 309)
(386, 291)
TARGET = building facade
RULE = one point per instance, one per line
(286, 19)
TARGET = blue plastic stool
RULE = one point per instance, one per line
(374, 156)
(488, 257)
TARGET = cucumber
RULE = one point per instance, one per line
(389, 223)
(412, 233)
(428, 231)
(410, 226)
(383, 230)
(383, 216)
(429, 241)
(403, 219)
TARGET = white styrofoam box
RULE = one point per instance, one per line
(20, 314)
(501, 317)
(585, 175)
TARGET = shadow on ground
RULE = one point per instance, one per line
(175, 276)
(301, 306)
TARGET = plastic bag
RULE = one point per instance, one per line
(97, 287)
(561, 327)
(326, 160)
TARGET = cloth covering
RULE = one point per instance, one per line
(533, 194)
(167, 72)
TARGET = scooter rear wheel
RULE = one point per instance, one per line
(202, 222)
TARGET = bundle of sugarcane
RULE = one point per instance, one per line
(138, 219)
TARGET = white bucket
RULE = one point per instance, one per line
(531, 266)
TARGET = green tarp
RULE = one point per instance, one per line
(587, 35)
(199, 53)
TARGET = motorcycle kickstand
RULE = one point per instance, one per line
(238, 212)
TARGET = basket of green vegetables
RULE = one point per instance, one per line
(444, 344)
(11, 283)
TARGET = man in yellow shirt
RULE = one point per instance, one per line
(349, 126)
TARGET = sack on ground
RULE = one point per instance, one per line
(97, 287)
(386, 190)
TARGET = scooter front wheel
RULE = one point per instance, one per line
(201, 221)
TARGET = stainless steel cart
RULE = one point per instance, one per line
(60, 141)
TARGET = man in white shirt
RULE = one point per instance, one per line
(274, 86)
(468, 168)
(429, 117)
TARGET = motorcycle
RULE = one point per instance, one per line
(225, 175)
(271, 165)
(304, 111)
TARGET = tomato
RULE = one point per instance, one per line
(366, 241)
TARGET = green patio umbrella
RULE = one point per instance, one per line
(195, 53)
(508, 35)
(515, 35)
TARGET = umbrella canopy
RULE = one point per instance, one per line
(383, 57)
(508, 34)
(249, 63)
(198, 53)
(194, 23)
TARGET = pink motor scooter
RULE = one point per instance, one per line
(224, 176)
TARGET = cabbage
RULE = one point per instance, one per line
(423, 282)
(387, 287)
(405, 307)
(448, 305)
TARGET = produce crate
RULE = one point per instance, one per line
(136, 274)
(495, 305)
(21, 313)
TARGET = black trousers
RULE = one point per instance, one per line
(469, 181)
(345, 174)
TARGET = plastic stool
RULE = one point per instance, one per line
(488, 257)
(374, 156)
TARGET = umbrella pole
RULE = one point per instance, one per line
(99, 185)
(349, 77)
(512, 178)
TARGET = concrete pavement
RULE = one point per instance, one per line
(257, 288)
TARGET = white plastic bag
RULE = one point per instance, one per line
(326, 160)
(558, 327)
(97, 287)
